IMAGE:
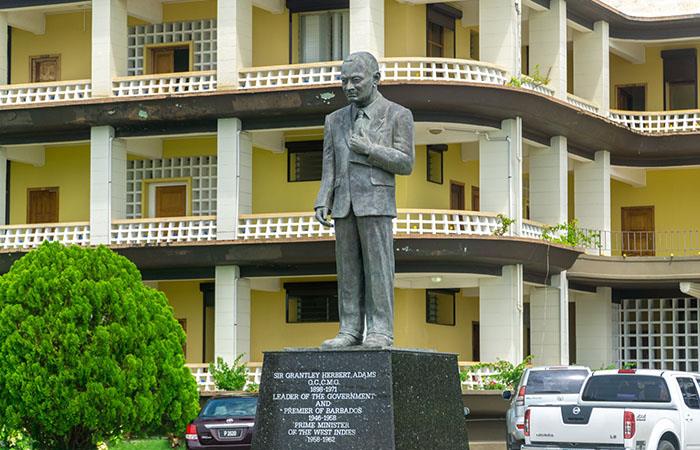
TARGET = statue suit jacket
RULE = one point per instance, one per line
(365, 181)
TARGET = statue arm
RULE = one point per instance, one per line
(397, 159)
(325, 193)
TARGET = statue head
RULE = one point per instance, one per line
(360, 75)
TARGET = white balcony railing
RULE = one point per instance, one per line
(538, 87)
(20, 237)
(290, 75)
(205, 382)
(58, 91)
(658, 121)
(164, 84)
(163, 231)
(582, 104)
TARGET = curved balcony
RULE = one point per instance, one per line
(56, 91)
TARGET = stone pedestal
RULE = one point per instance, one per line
(383, 399)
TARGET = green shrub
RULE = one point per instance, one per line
(507, 375)
(229, 378)
(87, 352)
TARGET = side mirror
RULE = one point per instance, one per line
(507, 395)
(466, 412)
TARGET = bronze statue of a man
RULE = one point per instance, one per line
(364, 145)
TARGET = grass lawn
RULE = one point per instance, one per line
(144, 444)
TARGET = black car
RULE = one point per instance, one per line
(224, 423)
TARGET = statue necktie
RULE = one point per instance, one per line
(360, 125)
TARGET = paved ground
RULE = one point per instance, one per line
(486, 434)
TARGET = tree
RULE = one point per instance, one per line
(87, 352)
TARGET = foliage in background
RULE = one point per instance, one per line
(506, 374)
(571, 235)
(504, 223)
(87, 352)
(229, 378)
(536, 78)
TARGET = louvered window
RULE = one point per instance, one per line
(324, 36)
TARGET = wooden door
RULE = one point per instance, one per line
(457, 196)
(476, 353)
(42, 205)
(475, 198)
(638, 231)
(163, 60)
(171, 201)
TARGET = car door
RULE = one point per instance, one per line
(690, 412)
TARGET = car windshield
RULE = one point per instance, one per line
(230, 407)
(626, 388)
(555, 381)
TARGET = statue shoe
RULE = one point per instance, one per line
(375, 340)
(340, 341)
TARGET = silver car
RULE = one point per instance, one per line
(540, 386)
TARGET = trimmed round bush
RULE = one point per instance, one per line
(87, 352)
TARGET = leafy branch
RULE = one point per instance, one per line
(506, 374)
(229, 378)
(504, 223)
(570, 234)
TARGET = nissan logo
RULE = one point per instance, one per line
(576, 410)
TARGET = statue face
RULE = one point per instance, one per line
(359, 84)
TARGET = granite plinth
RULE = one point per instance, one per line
(379, 399)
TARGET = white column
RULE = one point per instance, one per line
(594, 333)
(501, 316)
(592, 65)
(109, 44)
(500, 171)
(367, 26)
(549, 182)
(592, 196)
(234, 40)
(235, 177)
(3, 186)
(549, 322)
(500, 33)
(231, 314)
(4, 56)
(548, 45)
(107, 182)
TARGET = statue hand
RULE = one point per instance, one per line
(322, 214)
(359, 144)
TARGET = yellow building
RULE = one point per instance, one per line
(187, 135)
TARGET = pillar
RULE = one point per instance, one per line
(548, 45)
(234, 41)
(3, 187)
(4, 55)
(231, 314)
(592, 65)
(500, 34)
(500, 172)
(549, 182)
(501, 316)
(549, 322)
(592, 196)
(367, 26)
(235, 177)
(109, 44)
(107, 183)
(594, 329)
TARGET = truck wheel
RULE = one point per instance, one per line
(513, 444)
(666, 445)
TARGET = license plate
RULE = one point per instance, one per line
(230, 433)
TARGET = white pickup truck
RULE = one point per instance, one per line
(622, 410)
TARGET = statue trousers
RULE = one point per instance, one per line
(364, 249)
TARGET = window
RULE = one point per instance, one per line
(312, 302)
(434, 163)
(680, 79)
(440, 306)
(45, 68)
(169, 58)
(440, 29)
(690, 392)
(632, 97)
(475, 198)
(324, 36)
(626, 388)
(304, 160)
